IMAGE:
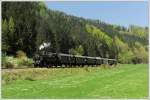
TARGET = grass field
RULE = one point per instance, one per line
(122, 81)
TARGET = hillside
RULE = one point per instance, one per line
(26, 25)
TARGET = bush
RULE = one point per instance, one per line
(8, 62)
(9, 65)
(21, 54)
(25, 62)
(12, 62)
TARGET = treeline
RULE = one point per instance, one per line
(26, 25)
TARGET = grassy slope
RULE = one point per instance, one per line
(124, 81)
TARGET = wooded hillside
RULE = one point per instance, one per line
(26, 25)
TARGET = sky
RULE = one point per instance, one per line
(113, 12)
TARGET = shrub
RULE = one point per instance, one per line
(9, 65)
(8, 62)
(25, 62)
(21, 54)
(12, 62)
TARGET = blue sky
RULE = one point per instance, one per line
(120, 13)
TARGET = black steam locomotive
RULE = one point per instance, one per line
(48, 59)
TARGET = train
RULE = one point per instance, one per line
(49, 59)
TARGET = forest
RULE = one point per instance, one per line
(26, 25)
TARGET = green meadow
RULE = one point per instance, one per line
(121, 81)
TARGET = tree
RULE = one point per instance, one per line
(11, 26)
(77, 51)
(4, 26)
(5, 44)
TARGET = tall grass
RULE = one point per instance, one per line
(32, 74)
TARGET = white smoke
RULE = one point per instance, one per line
(44, 45)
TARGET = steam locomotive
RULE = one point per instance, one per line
(49, 59)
